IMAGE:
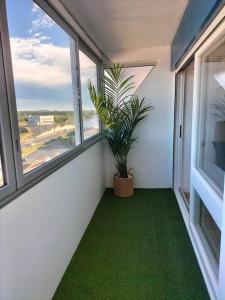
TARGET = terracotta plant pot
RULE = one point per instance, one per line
(123, 187)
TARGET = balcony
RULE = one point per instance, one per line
(136, 248)
(64, 234)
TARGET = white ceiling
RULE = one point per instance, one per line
(122, 25)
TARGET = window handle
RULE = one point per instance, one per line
(180, 131)
(17, 145)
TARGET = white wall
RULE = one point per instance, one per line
(152, 157)
(40, 230)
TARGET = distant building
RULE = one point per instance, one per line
(40, 120)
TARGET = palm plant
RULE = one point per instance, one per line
(120, 112)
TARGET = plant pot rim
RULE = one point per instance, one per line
(122, 178)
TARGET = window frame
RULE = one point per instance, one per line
(20, 182)
(212, 180)
(82, 47)
(215, 286)
(7, 155)
(200, 231)
(200, 182)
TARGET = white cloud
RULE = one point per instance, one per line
(44, 38)
(42, 21)
(44, 103)
(42, 64)
(37, 34)
(88, 69)
(35, 7)
(85, 61)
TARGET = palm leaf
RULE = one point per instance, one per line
(119, 112)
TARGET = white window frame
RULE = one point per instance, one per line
(178, 131)
(200, 184)
(17, 181)
(8, 166)
(178, 135)
(82, 47)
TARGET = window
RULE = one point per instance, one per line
(212, 129)
(185, 132)
(209, 232)
(41, 58)
(88, 72)
(40, 114)
(7, 163)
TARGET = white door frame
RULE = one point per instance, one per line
(180, 93)
(212, 199)
(181, 98)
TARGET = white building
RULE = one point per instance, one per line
(40, 120)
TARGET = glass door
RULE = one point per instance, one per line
(185, 134)
(184, 127)
(208, 153)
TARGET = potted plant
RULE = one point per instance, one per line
(120, 112)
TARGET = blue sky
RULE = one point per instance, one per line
(41, 60)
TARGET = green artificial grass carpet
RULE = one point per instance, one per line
(135, 248)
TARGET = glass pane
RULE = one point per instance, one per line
(210, 234)
(186, 133)
(41, 57)
(211, 231)
(212, 140)
(88, 72)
